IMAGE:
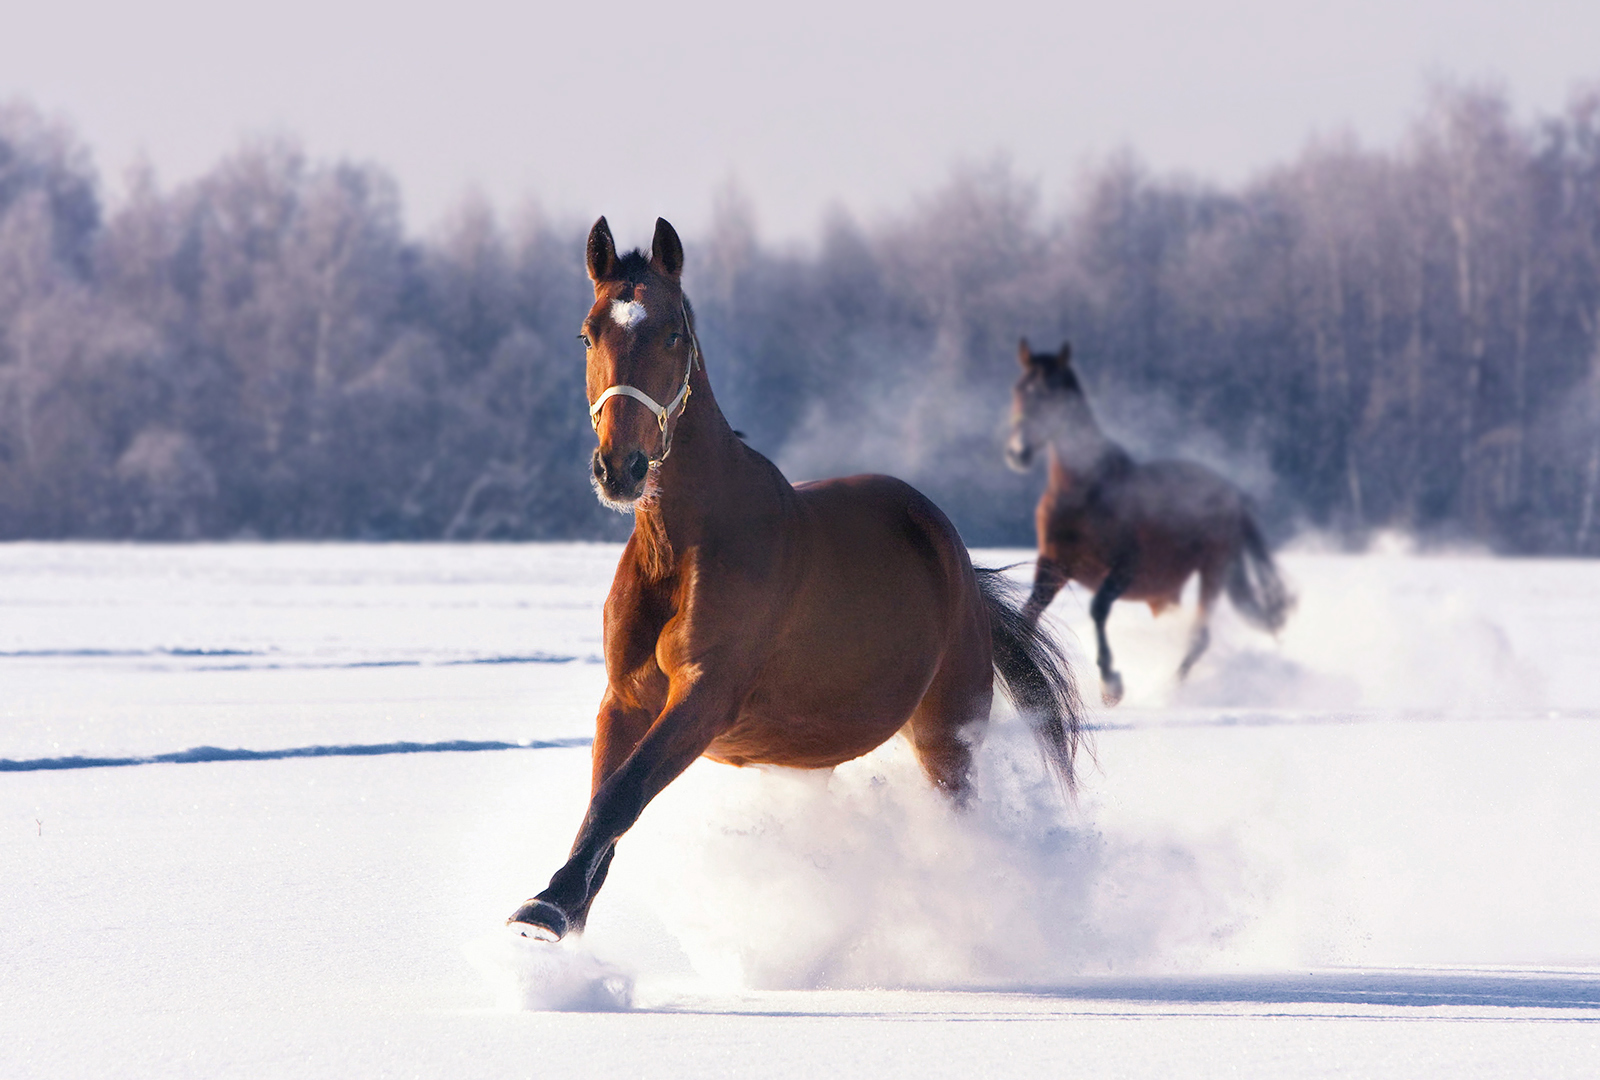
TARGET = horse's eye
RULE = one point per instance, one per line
(672, 339)
(587, 344)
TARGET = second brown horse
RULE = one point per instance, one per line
(752, 621)
(1131, 530)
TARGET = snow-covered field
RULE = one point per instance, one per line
(1371, 848)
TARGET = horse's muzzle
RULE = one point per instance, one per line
(621, 482)
(1019, 456)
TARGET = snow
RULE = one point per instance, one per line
(1366, 849)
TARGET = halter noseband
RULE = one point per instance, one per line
(663, 413)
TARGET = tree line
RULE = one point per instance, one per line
(1395, 338)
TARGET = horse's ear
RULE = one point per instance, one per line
(1065, 356)
(1024, 354)
(666, 250)
(602, 254)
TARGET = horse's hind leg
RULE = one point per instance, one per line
(1200, 635)
(957, 699)
(1115, 584)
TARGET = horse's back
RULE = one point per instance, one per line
(875, 540)
(1186, 519)
(870, 510)
(1183, 495)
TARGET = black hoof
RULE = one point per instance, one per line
(539, 919)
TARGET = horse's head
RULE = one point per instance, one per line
(641, 351)
(1046, 403)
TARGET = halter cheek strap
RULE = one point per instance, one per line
(663, 413)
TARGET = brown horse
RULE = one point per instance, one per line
(755, 622)
(1131, 531)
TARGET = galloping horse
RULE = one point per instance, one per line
(1131, 531)
(754, 622)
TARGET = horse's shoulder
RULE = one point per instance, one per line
(638, 601)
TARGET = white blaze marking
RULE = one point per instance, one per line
(627, 313)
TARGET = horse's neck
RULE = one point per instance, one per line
(1085, 456)
(708, 474)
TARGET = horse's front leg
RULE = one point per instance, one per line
(682, 733)
(1049, 576)
(617, 732)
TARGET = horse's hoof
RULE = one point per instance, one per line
(539, 919)
(1111, 689)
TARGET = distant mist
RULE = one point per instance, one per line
(1406, 338)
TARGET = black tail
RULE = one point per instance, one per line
(1255, 588)
(1034, 674)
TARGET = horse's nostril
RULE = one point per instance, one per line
(637, 465)
(598, 464)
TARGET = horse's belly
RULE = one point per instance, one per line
(775, 741)
(803, 729)
(1163, 586)
(1164, 565)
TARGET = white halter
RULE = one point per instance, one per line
(663, 413)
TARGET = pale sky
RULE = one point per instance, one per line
(637, 109)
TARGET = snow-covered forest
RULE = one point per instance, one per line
(1406, 336)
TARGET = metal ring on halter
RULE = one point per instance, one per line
(662, 413)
